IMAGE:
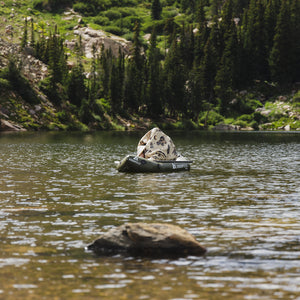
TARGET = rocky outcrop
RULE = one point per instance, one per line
(34, 69)
(8, 126)
(92, 37)
(141, 239)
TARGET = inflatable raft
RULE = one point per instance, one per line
(136, 164)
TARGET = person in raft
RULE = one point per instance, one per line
(156, 145)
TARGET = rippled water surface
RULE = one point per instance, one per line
(241, 199)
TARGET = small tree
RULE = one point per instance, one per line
(156, 10)
(25, 36)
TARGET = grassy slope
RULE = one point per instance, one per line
(275, 115)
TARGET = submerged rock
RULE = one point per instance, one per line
(141, 239)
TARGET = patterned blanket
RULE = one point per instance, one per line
(156, 145)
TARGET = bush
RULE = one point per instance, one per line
(246, 118)
(39, 4)
(113, 14)
(296, 99)
(101, 20)
(128, 36)
(50, 4)
(114, 30)
(4, 84)
(84, 8)
(127, 22)
(210, 118)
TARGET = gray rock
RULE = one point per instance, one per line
(8, 126)
(141, 239)
(96, 38)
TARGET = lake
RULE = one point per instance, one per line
(241, 200)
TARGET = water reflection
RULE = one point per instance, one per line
(58, 192)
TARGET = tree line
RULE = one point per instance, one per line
(199, 69)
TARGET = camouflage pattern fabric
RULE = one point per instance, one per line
(156, 145)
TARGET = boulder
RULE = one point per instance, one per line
(141, 239)
(96, 38)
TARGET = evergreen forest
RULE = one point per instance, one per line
(211, 60)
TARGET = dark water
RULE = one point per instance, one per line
(241, 199)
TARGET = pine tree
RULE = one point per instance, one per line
(186, 46)
(208, 70)
(57, 59)
(117, 82)
(255, 43)
(134, 87)
(93, 80)
(270, 17)
(25, 36)
(174, 81)
(106, 62)
(281, 56)
(156, 10)
(154, 101)
(295, 27)
(76, 88)
(215, 7)
(32, 40)
(202, 33)
(226, 73)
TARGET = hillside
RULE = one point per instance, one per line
(70, 66)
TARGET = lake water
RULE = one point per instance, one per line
(241, 200)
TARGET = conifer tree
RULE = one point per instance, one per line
(208, 70)
(174, 81)
(93, 80)
(202, 33)
(154, 101)
(255, 43)
(106, 62)
(202, 77)
(270, 17)
(134, 87)
(117, 82)
(76, 88)
(32, 40)
(186, 46)
(281, 56)
(156, 10)
(25, 35)
(215, 7)
(226, 73)
(57, 59)
(295, 27)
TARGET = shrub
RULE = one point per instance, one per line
(127, 22)
(246, 118)
(39, 4)
(210, 118)
(113, 14)
(296, 99)
(114, 30)
(101, 20)
(84, 8)
(4, 84)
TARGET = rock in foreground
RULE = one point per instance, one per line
(141, 239)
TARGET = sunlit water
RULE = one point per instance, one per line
(241, 200)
